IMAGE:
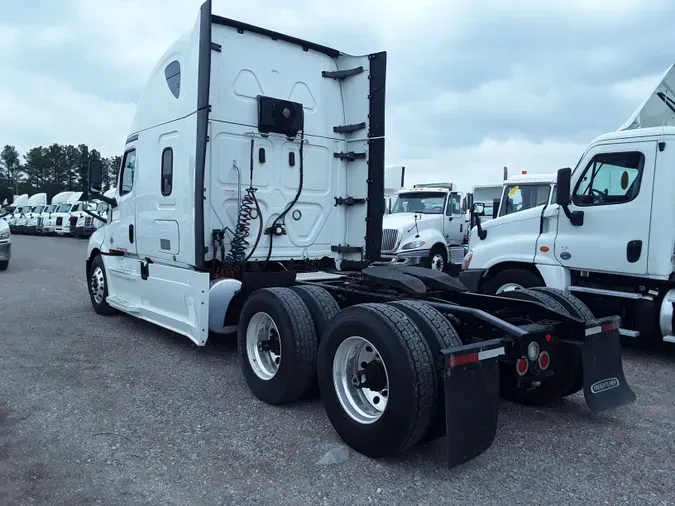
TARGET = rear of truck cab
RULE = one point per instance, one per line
(211, 108)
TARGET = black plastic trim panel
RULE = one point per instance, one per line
(245, 27)
(375, 212)
(203, 85)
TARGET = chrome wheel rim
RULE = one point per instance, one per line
(357, 361)
(437, 262)
(97, 285)
(263, 346)
(508, 287)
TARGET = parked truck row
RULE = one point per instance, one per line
(251, 200)
(65, 215)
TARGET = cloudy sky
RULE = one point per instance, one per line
(473, 85)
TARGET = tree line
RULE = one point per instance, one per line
(51, 170)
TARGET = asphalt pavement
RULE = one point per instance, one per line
(112, 410)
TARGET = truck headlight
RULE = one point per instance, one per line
(413, 245)
(467, 260)
(4, 235)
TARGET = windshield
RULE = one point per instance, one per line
(420, 202)
(38, 209)
(49, 208)
(65, 208)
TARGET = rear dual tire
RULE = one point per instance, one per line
(397, 345)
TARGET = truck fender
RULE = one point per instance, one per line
(555, 276)
(221, 293)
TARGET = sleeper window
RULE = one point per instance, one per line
(167, 171)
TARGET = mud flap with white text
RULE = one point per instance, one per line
(471, 380)
(605, 385)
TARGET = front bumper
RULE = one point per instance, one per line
(77, 231)
(5, 251)
(471, 278)
(415, 258)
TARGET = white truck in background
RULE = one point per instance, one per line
(605, 231)
(61, 218)
(45, 223)
(271, 227)
(39, 204)
(34, 205)
(425, 227)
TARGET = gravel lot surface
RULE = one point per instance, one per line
(97, 410)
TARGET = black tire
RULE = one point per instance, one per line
(413, 383)
(580, 310)
(101, 307)
(323, 307)
(522, 277)
(439, 334)
(3, 265)
(563, 362)
(438, 250)
(298, 345)
(321, 304)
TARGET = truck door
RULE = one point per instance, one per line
(612, 186)
(453, 227)
(123, 226)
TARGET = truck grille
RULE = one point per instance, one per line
(87, 222)
(40, 222)
(390, 238)
(73, 221)
(59, 221)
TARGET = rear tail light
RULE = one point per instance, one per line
(544, 360)
(522, 366)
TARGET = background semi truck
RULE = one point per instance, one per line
(272, 228)
(604, 231)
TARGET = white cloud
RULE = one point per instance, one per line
(47, 111)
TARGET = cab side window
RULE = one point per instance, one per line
(520, 197)
(454, 205)
(610, 178)
(127, 172)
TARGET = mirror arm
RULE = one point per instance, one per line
(96, 216)
(576, 217)
(110, 201)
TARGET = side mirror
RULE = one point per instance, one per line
(478, 208)
(563, 183)
(495, 207)
(91, 206)
(96, 175)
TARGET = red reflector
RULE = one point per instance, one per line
(548, 338)
(468, 358)
(521, 366)
(610, 326)
(544, 360)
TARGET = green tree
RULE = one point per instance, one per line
(12, 162)
(36, 166)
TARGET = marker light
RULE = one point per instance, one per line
(521, 366)
(533, 351)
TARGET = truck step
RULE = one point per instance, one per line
(123, 304)
(669, 339)
(629, 333)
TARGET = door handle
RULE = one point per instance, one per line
(131, 234)
(633, 251)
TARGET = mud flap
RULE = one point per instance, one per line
(605, 385)
(471, 381)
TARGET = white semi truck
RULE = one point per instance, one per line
(604, 231)
(425, 227)
(61, 218)
(45, 223)
(271, 227)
